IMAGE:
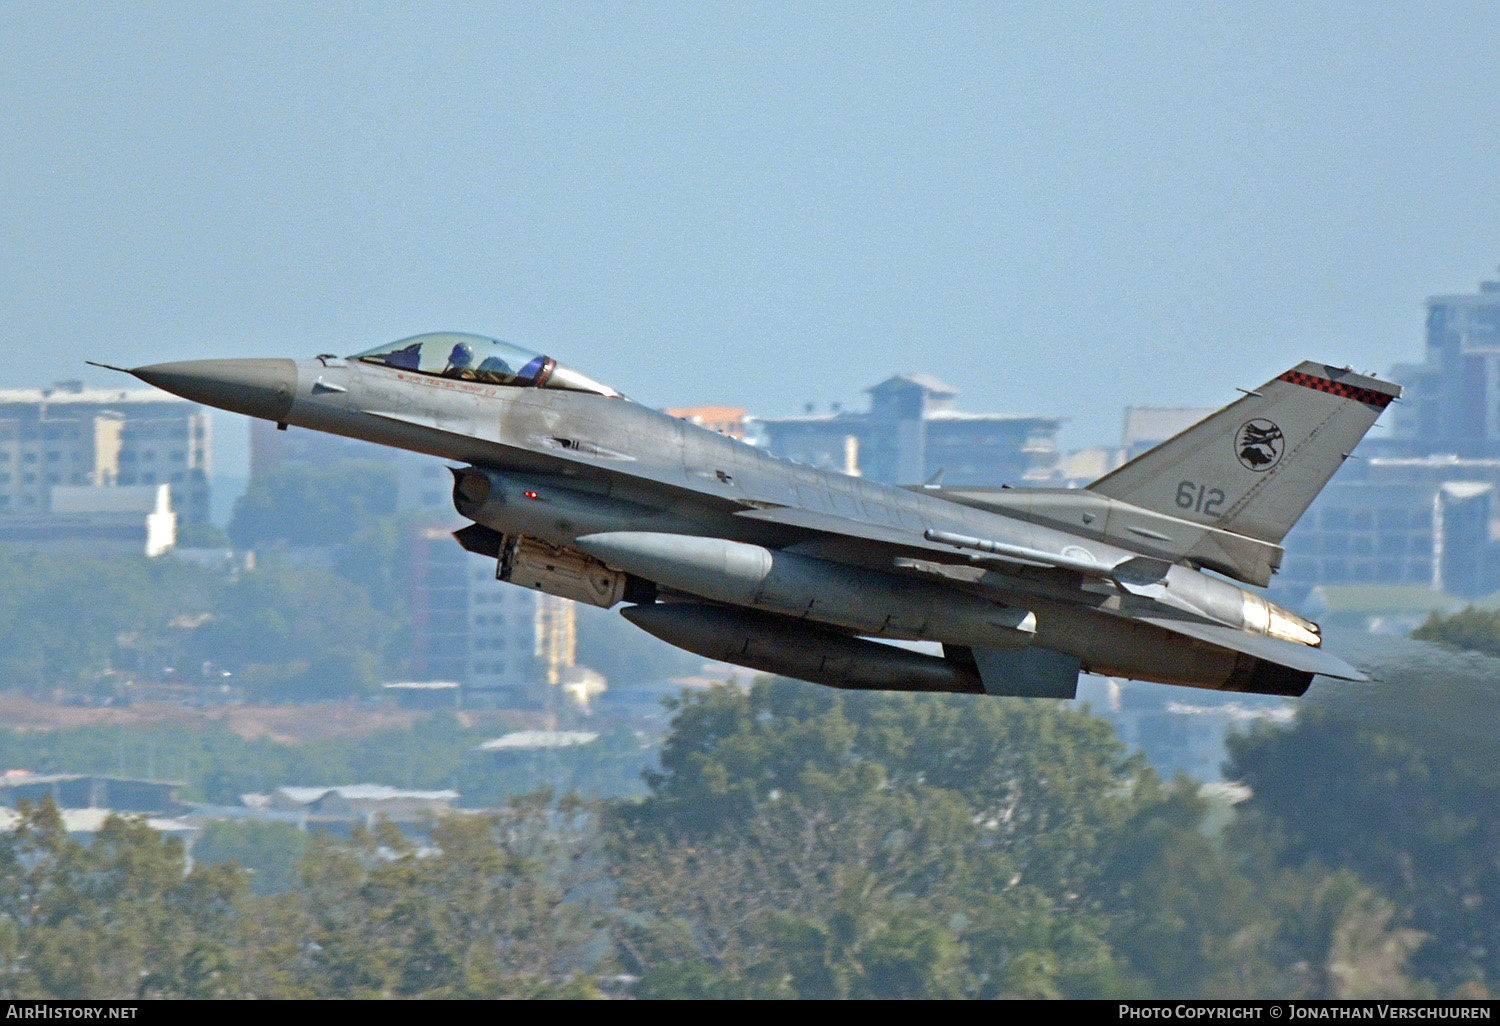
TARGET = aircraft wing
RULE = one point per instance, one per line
(960, 549)
(1303, 658)
(902, 542)
(828, 523)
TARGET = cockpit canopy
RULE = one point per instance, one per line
(452, 354)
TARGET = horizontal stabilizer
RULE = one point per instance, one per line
(1302, 658)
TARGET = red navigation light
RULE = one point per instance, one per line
(530, 495)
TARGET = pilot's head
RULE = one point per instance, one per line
(461, 357)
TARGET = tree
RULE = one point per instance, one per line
(1184, 915)
(202, 535)
(298, 633)
(1471, 629)
(1418, 823)
(484, 910)
(802, 842)
(299, 504)
(267, 851)
(62, 618)
(118, 918)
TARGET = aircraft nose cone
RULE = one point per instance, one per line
(256, 388)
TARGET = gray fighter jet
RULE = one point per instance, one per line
(729, 552)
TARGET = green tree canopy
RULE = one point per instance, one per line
(482, 911)
(1471, 629)
(298, 633)
(305, 505)
(1396, 781)
(117, 918)
(802, 842)
(64, 618)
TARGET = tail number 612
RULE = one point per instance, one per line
(1200, 498)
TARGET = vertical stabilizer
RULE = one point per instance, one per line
(1255, 466)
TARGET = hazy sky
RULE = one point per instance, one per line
(1059, 209)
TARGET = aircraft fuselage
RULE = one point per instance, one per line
(562, 466)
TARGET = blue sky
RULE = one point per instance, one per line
(1058, 208)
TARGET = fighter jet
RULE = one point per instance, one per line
(727, 551)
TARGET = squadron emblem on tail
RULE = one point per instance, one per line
(1259, 444)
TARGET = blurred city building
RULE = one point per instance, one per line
(912, 431)
(469, 627)
(1419, 505)
(1149, 426)
(496, 641)
(1452, 399)
(1424, 521)
(1145, 427)
(726, 420)
(1078, 468)
(93, 791)
(97, 519)
(556, 651)
(340, 808)
(516, 748)
(506, 645)
(425, 694)
(69, 435)
(85, 823)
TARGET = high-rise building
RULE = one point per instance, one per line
(467, 626)
(1397, 520)
(72, 436)
(97, 520)
(1416, 504)
(1452, 399)
(912, 431)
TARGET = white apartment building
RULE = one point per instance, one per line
(72, 436)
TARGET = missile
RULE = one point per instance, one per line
(865, 601)
(1214, 600)
(776, 644)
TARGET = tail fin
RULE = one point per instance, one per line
(1255, 466)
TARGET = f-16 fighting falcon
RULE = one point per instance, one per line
(729, 552)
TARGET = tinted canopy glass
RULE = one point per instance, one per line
(452, 354)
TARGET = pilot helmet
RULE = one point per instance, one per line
(462, 355)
